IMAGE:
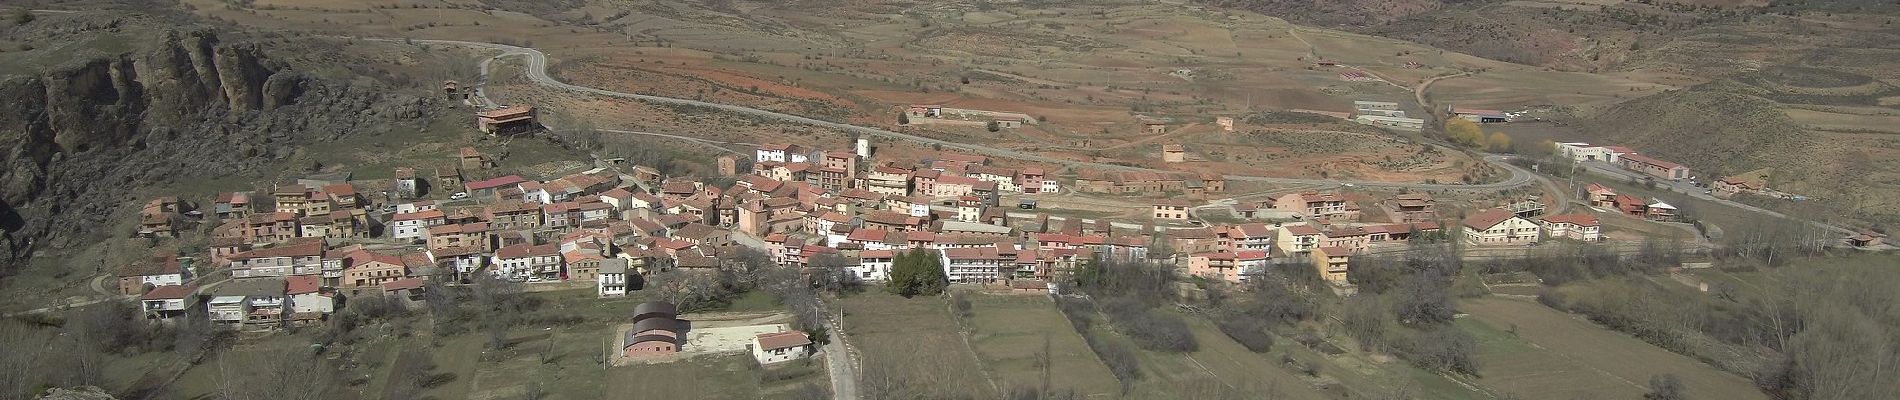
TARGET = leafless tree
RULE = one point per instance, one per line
(285, 372)
(29, 361)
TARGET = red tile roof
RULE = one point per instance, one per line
(300, 284)
(496, 182)
(1302, 230)
(523, 250)
(1254, 230)
(1488, 218)
(400, 284)
(455, 251)
(1573, 219)
(419, 215)
(299, 250)
(1651, 161)
(783, 340)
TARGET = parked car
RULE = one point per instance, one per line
(1026, 204)
(458, 196)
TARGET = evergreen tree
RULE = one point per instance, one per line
(930, 278)
(902, 273)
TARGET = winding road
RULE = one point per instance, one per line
(537, 73)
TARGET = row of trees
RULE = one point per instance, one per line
(1467, 133)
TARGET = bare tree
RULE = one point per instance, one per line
(285, 372)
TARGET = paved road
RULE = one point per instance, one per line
(843, 370)
(538, 74)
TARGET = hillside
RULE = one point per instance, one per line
(99, 107)
(1827, 134)
(1713, 128)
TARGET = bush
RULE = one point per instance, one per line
(1443, 349)
(1120, 360)
(1275, 302)
(1078, 312)
(1252, 334)
(1150, 330)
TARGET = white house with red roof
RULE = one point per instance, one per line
(778, 347)
(873, 265)
(412, 225)
(1494, 227)
(307, 296)
(1654, 167)
(781, 152)
(487, 187)
(1585, 152)
(169, 301)
(1298, 238)
(304, 258)
(975, 264)
(524, 262)
(1581, 227)
(463, 260)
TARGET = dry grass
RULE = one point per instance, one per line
(912, 347)
(1560, 356)
(1081, 68)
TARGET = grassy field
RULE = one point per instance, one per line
(1359, 374)
(913, 343)
(731, 376)
(1008, 332)
(1554, 355)
(1005, 333)
(1223, 362)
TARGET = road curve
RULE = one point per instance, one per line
(538, 74)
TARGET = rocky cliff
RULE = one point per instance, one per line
(78, 139)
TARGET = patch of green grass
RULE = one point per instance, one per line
(1009, 332)
(756, 300)
(587, 304)
(1492, 339)
(729, 376)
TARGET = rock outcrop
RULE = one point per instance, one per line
(77, 139)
